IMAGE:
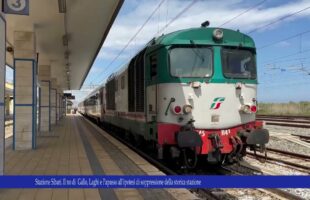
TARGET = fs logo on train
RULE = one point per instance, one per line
(216, 104)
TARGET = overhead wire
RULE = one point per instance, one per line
(131, 39)
(161, 30)
(278, 20)
(284, 39)
(285, 56)
(290, 60)
(178, 15)
(242, 13)
(267, 85)
(299, 64)
(195, 1)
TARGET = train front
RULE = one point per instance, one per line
(207, 96)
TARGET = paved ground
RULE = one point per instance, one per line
(77, 147)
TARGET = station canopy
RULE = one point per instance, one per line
(69, 35)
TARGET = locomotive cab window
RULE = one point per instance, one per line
(191, 61)
(238, 63)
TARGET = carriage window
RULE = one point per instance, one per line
(110, 94)
(191, 62)
(93, 100)
(238, 63)
(100, 96)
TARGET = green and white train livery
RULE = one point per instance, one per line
(191, 92)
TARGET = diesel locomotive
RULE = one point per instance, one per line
(190, 93)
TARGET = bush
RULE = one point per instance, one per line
(291, 108)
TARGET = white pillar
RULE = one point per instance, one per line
(25, 89)
(57, 103)
(53, 101)
(61, 105)
(2, 89)
(45, 110)
(64, 106)
(7, 104)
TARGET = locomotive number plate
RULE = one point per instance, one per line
(201, 133)
(225, 132)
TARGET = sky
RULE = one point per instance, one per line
(283, 64)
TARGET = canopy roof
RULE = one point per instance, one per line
(69, 42)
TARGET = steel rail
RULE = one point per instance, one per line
(285, 116)
(276, 191)
(202, 191)
(282, 120)
(303, 137)
(206, 193)
(280, 161)
(284, 194)
(303, 156)
(288, 125)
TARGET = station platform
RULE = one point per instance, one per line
(77, 147)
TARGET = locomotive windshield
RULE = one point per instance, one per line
(191, 62)
(238, 63)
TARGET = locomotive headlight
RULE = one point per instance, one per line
(218, 34)
(187, 109)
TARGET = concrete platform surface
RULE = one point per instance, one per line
(78, 147)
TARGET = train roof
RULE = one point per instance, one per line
(204, 35)
(199, 36)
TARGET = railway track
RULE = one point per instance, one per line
(292, 160)
(288, 124)
(303, 137)
(288, 121)
(275, 192)
(297, 155)
(284, 117)
(285, 120)
(293, 138)
(216, 194)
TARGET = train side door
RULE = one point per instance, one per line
(151, 88)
